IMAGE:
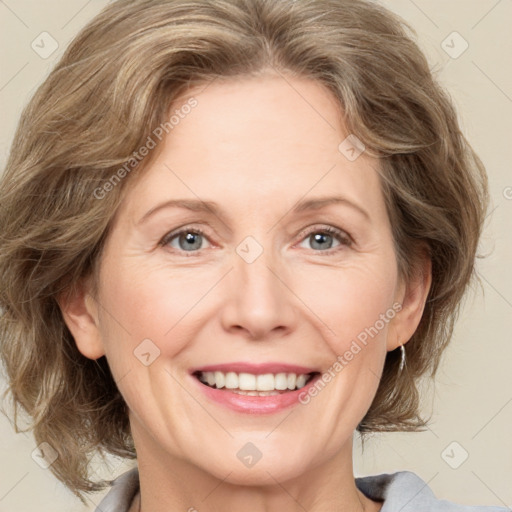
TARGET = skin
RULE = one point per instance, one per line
(255, 146)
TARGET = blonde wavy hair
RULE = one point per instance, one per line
(103, 99)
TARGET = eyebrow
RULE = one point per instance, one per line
(197, 205)
(321, 202)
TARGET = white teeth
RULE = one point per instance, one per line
(248, 382)
(219, 379)
(281, 381)
(265, 382)
(231, 380)
(210, 378)
(255, 393)
(301, 381)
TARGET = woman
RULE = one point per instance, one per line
(164, 291)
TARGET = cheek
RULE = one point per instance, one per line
(352, 304)
(154, 302)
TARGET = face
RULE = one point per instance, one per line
(251, 238)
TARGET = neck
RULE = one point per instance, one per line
(171, 483)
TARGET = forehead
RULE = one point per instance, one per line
(248, 141)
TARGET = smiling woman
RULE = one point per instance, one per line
(317, 210)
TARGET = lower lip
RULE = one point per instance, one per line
(255, 404)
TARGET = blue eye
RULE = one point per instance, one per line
(322, 239)
(189, 240)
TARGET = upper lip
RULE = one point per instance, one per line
(256, 369)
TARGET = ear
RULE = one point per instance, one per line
(80, 313)
(412, 296)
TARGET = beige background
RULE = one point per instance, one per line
(472, 398)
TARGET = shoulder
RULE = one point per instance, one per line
(402, 491)
(405, 491)
(121, 494)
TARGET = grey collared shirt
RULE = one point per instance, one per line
(403, 491)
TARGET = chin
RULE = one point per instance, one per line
(261, 474)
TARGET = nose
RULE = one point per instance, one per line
(259, 304)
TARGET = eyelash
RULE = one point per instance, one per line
(343, 238)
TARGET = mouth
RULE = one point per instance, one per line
(256, 389)
(252, 384)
